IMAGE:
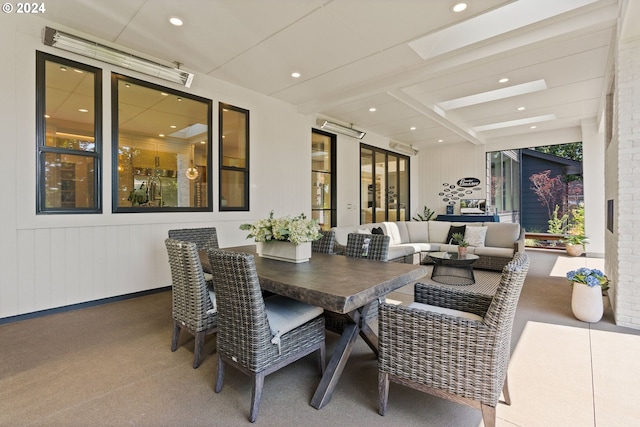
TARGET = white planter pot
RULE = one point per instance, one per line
(586, 302)
(574, 250)
(284, 251)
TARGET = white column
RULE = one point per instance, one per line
(593, 174)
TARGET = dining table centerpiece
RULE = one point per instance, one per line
(286, 238)
(586, 296)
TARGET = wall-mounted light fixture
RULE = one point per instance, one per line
(403, 148)
(335, 127)
(70, 43)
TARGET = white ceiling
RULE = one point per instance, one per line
(403, 57)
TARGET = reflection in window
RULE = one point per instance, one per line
(162, 158)
(234, 158)
(69, 123)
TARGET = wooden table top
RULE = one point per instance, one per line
(334, 282)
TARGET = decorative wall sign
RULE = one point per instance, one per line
(468, 182)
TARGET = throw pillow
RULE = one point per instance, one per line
(364, 231)
(475, 236)
(453, 230)
(377, 230)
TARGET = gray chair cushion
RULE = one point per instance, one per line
(286, 314)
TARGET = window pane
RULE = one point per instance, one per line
(69, 181)
(69, 107)
(163, 148)
(232, 188)
(380, 181)
(323, 217)
(366, 186)
(234, 138)
(321, 190)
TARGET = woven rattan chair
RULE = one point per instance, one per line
(204, 238)
(192, 307)
(325, 243)
(461, 355)
(246, 339)
(378, 246)
(377, 250)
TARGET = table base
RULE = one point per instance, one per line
(449, 275)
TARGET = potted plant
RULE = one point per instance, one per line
(458, 238)
(586, 296)
(286, 238)
(574, 244)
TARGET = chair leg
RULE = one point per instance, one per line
(488, 415)
(197, 351)
(176, 335)
(220, 376)
(383, 392)
(505, 391)
(258, 382)
(322, 359)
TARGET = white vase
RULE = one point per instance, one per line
(284, 251)
(574, 250)
(586, 302)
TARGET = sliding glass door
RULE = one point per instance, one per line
(384, 185)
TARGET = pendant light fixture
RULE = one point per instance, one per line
(192, 171)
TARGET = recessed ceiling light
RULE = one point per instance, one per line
(83, 110)
(441, 140)
(295, 74)
(173, 126)
(521, 108)
(203, 142)
(176, 21)
(63, 68)
(533, 127)
(161, 135)
(372, 109)
(164, 94)
(503, 80)
(179, 99)
(459, 7)
(46, 116)
(412, 128)
(78, 71)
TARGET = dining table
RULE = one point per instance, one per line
(340, 284)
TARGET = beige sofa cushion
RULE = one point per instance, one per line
(391, 229)
(418, 231)
(501, 234)
(494, 252)
(438, 231)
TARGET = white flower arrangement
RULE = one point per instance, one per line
(296, 229)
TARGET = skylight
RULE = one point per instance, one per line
(494, 95)
(512, 123)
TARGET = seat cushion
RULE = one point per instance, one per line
(391, 230)
(501, 234)
(443, 310)
(286, 314)
(438, 231)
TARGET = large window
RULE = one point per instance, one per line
(161, 148)
(234, 158)
(384, 185)
(323, 178)
(69, 128)
(505, 182)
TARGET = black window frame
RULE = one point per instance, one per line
(41, 147)
(334, 176)
(244, 170)
(115, 129)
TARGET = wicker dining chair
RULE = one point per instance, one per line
(325, 243)
(192, 307)
(452, 343)
(204, 238)
(377, 249)
(259, 336)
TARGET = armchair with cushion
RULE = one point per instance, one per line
(259, 336)
(452, 343)
(192, 302)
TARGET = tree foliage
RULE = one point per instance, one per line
(550, 191)
(571, 151)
